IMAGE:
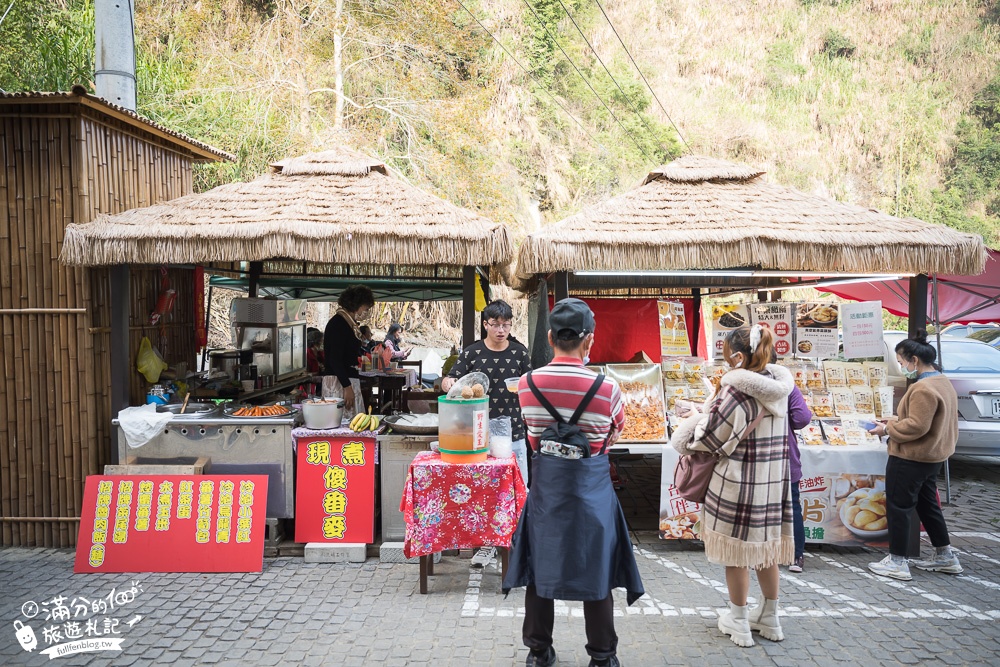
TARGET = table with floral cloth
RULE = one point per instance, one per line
(459, 506)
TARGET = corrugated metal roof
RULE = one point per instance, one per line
(81, 96)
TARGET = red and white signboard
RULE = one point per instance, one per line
(778, 318)
(172, 523)
(335, 490)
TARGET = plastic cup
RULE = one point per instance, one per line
(512, 384)
(249, 385)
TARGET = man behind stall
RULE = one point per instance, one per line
(498, 357)
(572, 541)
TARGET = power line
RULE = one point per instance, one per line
(612, 76)
(585, 80)
(674, 125)
(533, 77)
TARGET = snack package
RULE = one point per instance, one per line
(673, 368)
(673, 392)
(878, 373)
(854, 432)
(694, 371)
(812, 434)
(836, 374)
(864, 400)
(833, 429)
(843, 401)
(857, 374)
(815, 380)
(883, 401)
(821, 404)
(799, 375)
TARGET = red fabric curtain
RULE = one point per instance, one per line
(627, 326)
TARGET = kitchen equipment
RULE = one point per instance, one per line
(194, 410)
(463, 429)
(396, 453)
(246, 372)
(236, 447)
(426, 424)
(272, 334)
(187, 397)
(224, 361)
(323, 414)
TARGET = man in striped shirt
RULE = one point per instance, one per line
(565, 383)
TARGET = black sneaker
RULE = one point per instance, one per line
(613, 661)
(546, 659)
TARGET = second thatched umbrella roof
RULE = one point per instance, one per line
(705, 213)
(337, 206)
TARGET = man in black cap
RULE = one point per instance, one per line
(569, 546)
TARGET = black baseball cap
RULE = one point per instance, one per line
(571, 318)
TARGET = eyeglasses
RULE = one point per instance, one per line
(505, 326)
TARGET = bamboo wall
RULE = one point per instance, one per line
(62, 163)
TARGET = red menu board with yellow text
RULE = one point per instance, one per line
(172, 523)
(335, 489)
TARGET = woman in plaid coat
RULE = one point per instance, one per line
(746, 519)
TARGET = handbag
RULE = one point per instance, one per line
(694, 471)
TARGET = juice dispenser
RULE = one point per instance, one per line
(464, 429)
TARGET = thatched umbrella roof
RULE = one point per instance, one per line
(705, 213)
(338, 206)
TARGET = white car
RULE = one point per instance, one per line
(974, 369)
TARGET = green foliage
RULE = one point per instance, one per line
(837, 45)
(47, 45)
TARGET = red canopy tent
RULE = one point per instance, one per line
(961, 299)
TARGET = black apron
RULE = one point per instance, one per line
(572, 540)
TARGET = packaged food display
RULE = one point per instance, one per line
(833, 429)
(675, 392)
(812, 434)
(836, 374)
(821, 404)
(673, 368)
(855, 432)
(857, 375)
(694, 371)
(642, 392)
(878, 373)
(864, 400)
(883, 401)
(815, 380)
(799, 374)
(843, 401)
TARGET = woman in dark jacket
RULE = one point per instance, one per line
(342, 344)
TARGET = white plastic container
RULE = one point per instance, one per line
(321, 415)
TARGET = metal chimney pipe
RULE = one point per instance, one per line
(114, 57)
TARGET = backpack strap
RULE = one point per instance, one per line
(753, 425)
(588, 397)
(544, 401)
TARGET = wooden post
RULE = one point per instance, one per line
(256, 268)
(561, 285)
(469, 320)
(695, 321)
(121, 357)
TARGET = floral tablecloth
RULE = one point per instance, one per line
(460, 506)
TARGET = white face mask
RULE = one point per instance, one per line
(738, 364)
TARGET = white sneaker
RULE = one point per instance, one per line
(483, 556)
(887, 567)
(941, 563)
(734, 622)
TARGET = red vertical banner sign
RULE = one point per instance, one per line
(335, 489)
(172, 523)
(200, 332)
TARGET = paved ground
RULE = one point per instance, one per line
(371, 614)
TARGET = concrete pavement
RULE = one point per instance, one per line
(371, 614)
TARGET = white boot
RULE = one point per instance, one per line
(764, 619)
(734, 623)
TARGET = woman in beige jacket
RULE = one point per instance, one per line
(921, 438)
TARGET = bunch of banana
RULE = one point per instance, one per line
(365, 422)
